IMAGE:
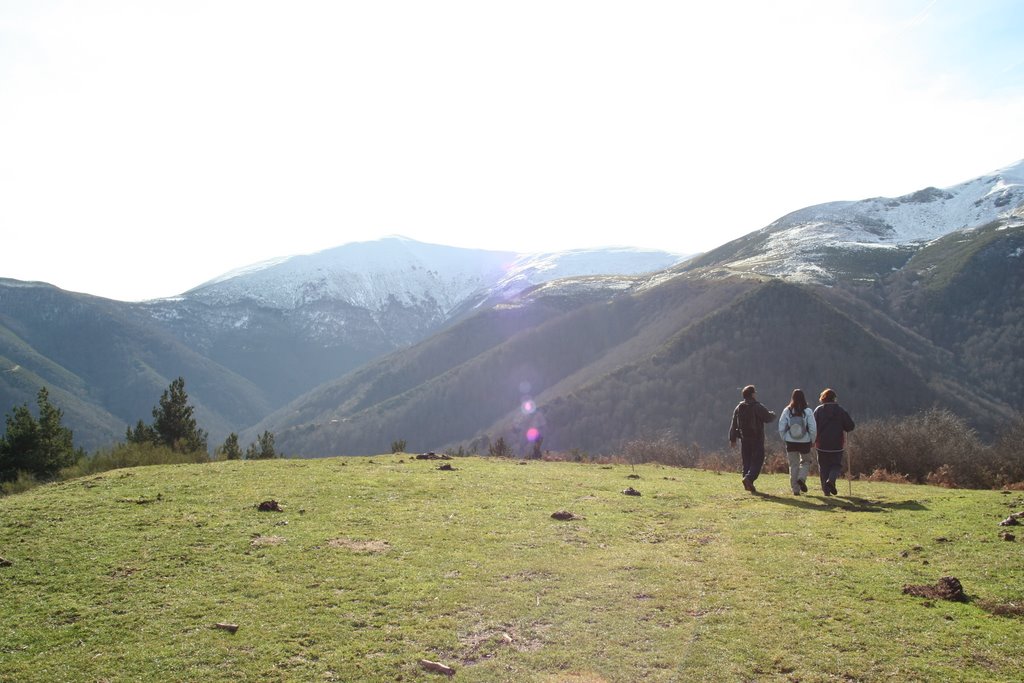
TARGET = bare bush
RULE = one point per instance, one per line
(720, 461)
(944, 477)
(887, 476)
(500, 449)
(1007, 462)
(776, 463)
(664, 450)
(934, 446)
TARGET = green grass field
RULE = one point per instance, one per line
(378, 563)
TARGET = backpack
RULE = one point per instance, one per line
(797, 425)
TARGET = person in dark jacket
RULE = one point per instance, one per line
(748, 421)
(833, 423)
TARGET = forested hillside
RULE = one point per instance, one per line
(668, 357)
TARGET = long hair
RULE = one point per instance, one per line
(798, 403)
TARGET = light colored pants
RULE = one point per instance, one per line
(799, 466)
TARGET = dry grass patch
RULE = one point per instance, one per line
(355, 546)
(267, 540)
(580, 677)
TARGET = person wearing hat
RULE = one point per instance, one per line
(748, 421)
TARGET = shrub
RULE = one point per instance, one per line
(398, 446)
(944, 477)
(22, 482)
(776, 463)
(934, 446)
(720, 461)
(915, 446)
(130, 455)
(1007, 462)
(500, 449)
(887, 476)
(662, 450)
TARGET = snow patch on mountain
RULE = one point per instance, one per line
(793, 245)
(399, 271)
(578, 285)
(370, 275)
(533, 269)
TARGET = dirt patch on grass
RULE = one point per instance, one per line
(577, 677)
(375, 546)
(947, 588)
(484, 642)
(1003, 609)
(141, 500)
(267, 540)
(529, 575)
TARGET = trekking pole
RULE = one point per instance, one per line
(849, 465)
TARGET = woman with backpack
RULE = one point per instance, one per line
(798, 429)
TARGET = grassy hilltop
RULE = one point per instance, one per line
(378, 563)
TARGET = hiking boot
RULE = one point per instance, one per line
(752, 489)
(748, 485)
(827, 490)
(835, 491)
(803, 485)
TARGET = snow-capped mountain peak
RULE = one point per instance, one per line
(373, 275)
(798, 245)
(351, 303)
(364, 274)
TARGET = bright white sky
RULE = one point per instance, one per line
(146, 147)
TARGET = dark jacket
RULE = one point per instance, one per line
(833, 423)
(740, 427)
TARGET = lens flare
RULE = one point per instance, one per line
(532, 434)
(529, 407)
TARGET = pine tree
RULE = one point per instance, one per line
(500, 449)
(142, 433)
(230, 450)
(263, 449)
(267, 449)
(174, 424)
(40, 447)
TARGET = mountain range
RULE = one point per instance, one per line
(900, 304)
(255, 338)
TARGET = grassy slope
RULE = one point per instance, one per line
(121, 576)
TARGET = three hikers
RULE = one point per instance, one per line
(824, 428)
